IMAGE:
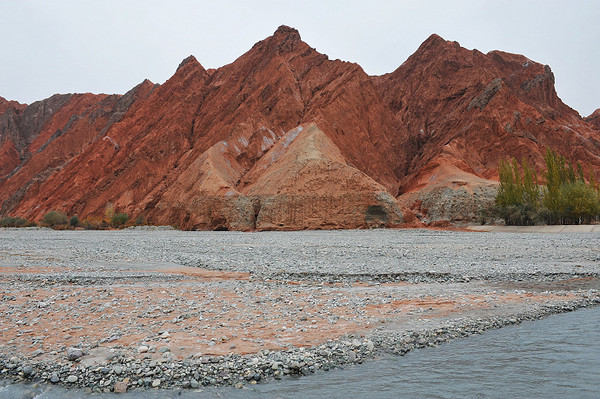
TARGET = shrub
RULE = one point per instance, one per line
(92, 223)
(54, 219)
(119, 219)
(109, 211)
(74, 221)
(14, 222)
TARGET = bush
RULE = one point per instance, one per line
(54, 219)
(92, 223)
(14, 222)
(74, 221)
(119, 219)
(109, 211)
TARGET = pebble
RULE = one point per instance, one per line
(155, 383)
(72, 379)
(74, 353)
(142, 349)
(37, 353)
(121, 386)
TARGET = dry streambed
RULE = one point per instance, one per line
(110, 311)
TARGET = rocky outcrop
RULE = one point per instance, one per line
(594, 119)
(305, 181)
(285, 138)
(301, 182)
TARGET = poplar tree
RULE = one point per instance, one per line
(566, 199)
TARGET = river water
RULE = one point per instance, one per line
(557, 357)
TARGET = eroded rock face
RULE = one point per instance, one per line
(469, 110)
(594, 119)
(284, 138)
(305, 181)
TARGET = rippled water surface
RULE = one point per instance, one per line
(558, 357)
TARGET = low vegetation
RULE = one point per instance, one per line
(55, 219)
(60, 221)
(566, 198)
(119, 219)
(11, 221)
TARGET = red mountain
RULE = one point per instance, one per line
(284, 138)
(465, 111)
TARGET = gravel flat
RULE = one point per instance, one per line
(349, 252)
(153, 308)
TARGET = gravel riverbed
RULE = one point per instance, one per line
(154, 308)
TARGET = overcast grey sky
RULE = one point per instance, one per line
(108, 46)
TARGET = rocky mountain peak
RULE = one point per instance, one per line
(287, 32)
(6, 104)
(189, 60)
(436, 43)
(284, 40)
(594, 119)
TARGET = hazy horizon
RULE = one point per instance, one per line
(109, 47)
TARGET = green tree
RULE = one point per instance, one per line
(567, 197)
(518, 198)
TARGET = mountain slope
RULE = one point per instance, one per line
(466, 110)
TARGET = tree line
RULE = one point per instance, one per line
(566, 198)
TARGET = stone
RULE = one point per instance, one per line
(351, 356)
(193, 383)
(142, 349)
(156, 383)
(74, 353)
(72, 379)
(37, 353)
(121, 386)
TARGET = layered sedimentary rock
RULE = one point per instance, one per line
(594, 119)
(284, 138)
(465, 111)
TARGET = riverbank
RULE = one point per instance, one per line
(583, 228)
(110, 311)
